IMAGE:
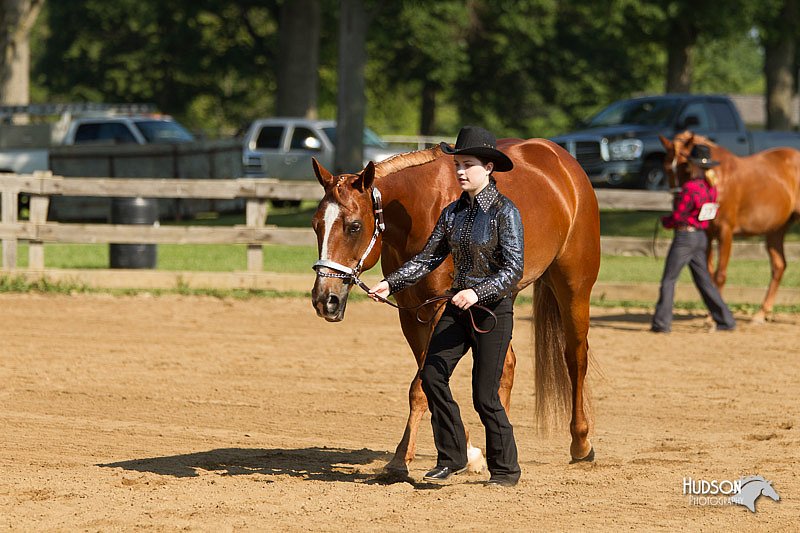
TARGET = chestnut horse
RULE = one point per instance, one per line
(757, 195)
(562, 256)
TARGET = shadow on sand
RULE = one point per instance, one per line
(317, 464)
(635, 320)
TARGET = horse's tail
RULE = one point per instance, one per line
(553, 386)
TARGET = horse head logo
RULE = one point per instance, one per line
(752, 488)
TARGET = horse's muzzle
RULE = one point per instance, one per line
(329, 304)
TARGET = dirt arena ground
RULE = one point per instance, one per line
(201, 414)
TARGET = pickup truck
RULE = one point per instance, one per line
(25, 148)
(620, 147)
(283, 147)
(112, 140)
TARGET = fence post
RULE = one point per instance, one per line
(256, 217)
(9, 217)
(38, 215)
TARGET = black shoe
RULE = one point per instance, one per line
(658, 330)
(443, 473)
(502, 482)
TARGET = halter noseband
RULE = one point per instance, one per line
(350, 275)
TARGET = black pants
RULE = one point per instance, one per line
(689, 247)
(452, 337)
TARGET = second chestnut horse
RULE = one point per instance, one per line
(757, 195)
(405, 195)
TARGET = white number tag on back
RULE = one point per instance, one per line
(708, 211)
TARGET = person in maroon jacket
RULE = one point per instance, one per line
(694, 207)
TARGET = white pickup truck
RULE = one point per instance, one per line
(107, 140)
(24, 148)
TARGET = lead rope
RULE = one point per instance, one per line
(442, 298)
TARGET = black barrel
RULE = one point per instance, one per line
(133, 211)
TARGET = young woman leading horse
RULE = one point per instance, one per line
(482, 232)
(389, 210)
(757, 195)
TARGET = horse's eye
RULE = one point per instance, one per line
(354, 227)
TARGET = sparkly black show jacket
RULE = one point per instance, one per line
(485, 238)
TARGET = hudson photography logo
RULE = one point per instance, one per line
(719, 493)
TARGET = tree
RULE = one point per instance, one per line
(424, 50)
(210, 62)
(351, 99)
(779, 36)
(679, 24)
(16, 20)
(298, 60)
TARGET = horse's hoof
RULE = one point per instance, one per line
(395, 471)
(393, 475)
(588, 459)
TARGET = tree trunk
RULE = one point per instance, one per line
(779, 63)
(427, 124)
(298, 64)
(680, 44)
(16, 20)
(351, 98)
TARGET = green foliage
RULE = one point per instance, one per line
(520, 67)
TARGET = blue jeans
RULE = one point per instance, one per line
(689, 247)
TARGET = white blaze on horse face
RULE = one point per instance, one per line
(331, 214)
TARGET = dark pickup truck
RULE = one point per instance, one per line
(620, 147)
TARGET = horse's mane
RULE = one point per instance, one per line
(406, 160)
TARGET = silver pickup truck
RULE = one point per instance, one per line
(282, 148)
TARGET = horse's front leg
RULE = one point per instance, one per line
(407, 448)
(725, 244)
(418, 336)
(777, 261)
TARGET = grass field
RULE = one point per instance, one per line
(229, 258)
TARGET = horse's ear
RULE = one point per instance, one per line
(324, 177)
(666, 142)
(364, 181)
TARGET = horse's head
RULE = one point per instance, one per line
(347, 225)
(676, 161)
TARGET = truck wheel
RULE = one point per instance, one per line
(653, 177)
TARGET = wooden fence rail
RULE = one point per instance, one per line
(254, 233)
(41, 186)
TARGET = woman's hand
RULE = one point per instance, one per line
(465, 299)
(381, 290)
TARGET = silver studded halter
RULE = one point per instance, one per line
(350, 275)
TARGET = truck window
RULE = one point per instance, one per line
(269, 137)
(370, 137)
(697, 110)
(305, 139)
(724, 119)
(108, 132)
(655, 112)
(163, 131)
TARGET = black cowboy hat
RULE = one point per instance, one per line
(701, 156)
(474, 140)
